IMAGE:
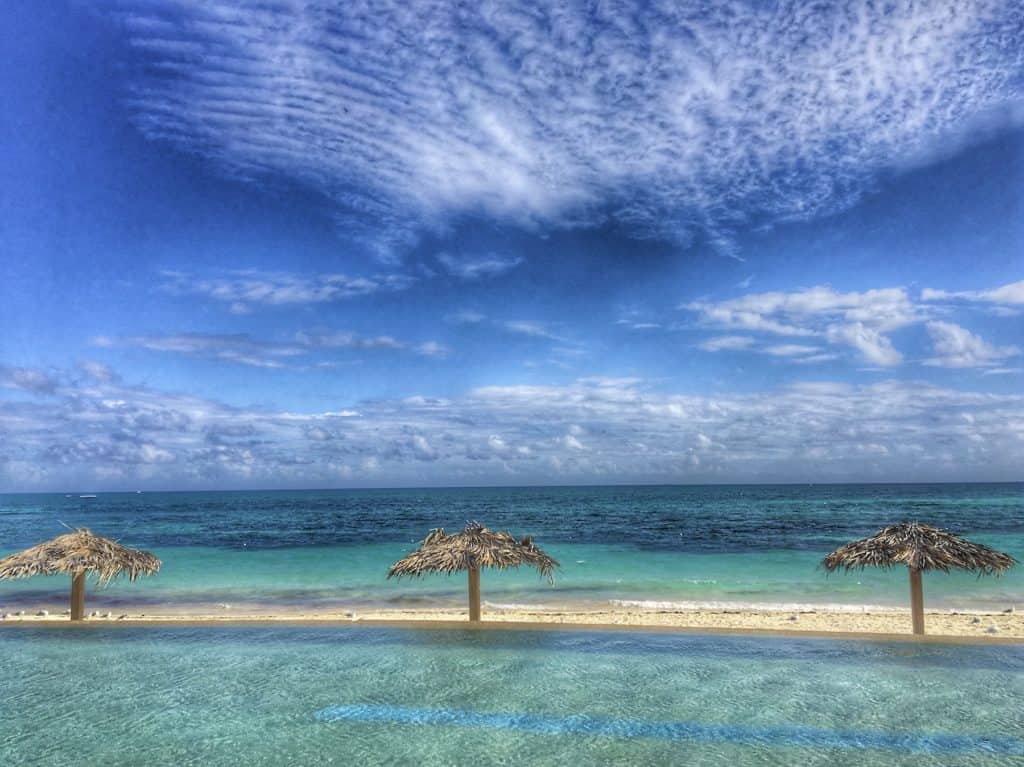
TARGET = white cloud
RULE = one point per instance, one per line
(534, 329)
(246, 289)
(873, 346)
(788, 313)
(530, 328)
(467, 317)
(635, 319)
(957, 347)
(347, 340)
(852, 319)
(731, 343)
(96, 370)
(669, 117)
(27, 379)
(236, 348)
(433, 349)
(245, 350)
(596, 430)
(478, 267)
(791, 350)
(1009, 295)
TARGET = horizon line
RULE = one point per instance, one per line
(514, 487)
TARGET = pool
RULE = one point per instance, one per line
(370, 695)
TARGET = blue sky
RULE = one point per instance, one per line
(316, 245)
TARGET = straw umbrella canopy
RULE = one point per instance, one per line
(77, 553)
(920, 548)
(469, 550)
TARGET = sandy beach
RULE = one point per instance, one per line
(991, 625)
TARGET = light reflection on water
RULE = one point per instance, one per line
(229, 695)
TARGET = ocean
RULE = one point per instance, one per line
(669, 546)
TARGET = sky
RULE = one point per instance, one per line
(308, 244)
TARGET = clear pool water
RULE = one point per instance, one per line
(366, 695)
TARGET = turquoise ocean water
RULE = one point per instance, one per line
(103, 695)
(674, 545)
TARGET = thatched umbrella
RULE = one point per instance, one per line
(78, 553)
(919, 547)
(469, 550)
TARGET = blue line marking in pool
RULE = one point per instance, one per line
(782, 735)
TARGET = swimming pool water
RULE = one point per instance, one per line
(369, 695)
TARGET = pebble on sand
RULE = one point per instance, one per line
(992, 630)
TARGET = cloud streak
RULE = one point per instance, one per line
(1006, 295)
(246, 289)
(478, 267)
(240, 348)
(673, 119)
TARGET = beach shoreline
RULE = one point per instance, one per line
(974, 625)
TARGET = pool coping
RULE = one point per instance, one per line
(463, 625)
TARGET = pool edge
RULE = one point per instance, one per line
(515, 626)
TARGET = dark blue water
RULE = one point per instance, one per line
(738, 518)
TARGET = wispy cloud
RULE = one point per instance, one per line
(347, 340)
(852, 319)
(531, 328)
(957, 347)
(637, 319)
(433, 349)
(478, 267)
(598, 429)
(244, 290)
(799, 353)
(875, 348)
(27, 379)
(466, 317)
(1007, 295)
(670, 118)
(791, 350)
(244, 350)
(97, 371)
(238, 348)
(723, 343)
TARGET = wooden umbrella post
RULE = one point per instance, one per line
(917, 600)
(474, 594)
(78, 596)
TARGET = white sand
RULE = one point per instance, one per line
(875, 621)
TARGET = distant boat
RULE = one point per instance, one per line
(87, 496)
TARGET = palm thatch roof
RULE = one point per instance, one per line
(473, 548)
(80, 551)
(919, 547)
